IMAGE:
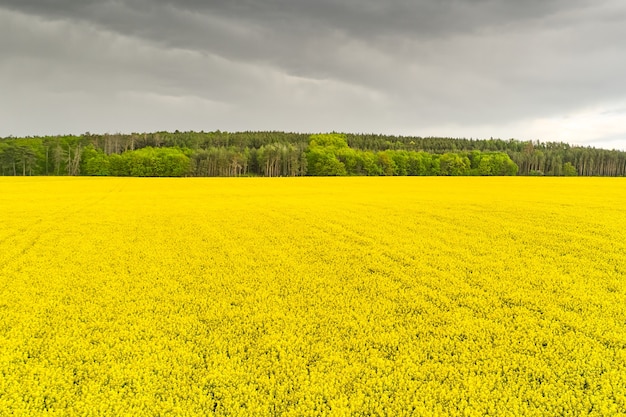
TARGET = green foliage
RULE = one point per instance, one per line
(157, 162)
(21, 157)
(322, 155)
(401, 162)
(387, 165)
(145, 162)
(323, 162)
(454, 165)
(118, 166)
(419, 163)
(435, 165)
(290, 154)
(351, 160)
(95, 162)
(330, 140)
(493, 163)
(370, 164)
(569, 170)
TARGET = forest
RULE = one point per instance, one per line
(271, 154)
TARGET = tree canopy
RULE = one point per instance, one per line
(296, 154)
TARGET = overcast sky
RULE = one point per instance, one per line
(549, 70)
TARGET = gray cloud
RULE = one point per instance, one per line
(452, 67)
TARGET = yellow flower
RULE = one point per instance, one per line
(401, 296)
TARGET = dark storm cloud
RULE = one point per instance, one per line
(396, 66)
(275, 30)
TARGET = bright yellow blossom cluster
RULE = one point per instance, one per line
(397, 296)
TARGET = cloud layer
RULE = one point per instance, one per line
(548, 70)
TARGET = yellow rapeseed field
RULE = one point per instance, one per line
(313, 296)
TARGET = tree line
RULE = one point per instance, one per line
(296, 154)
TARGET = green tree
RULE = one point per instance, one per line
(351, 160)
(452, 164)
(329, 140)
(118, 166)
(323, 162)
(370, 164)
(401, 162)
(322, 155)
(386, 163)
(94, 162)
(569, 170)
